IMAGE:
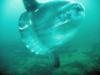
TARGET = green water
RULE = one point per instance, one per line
(81, 56)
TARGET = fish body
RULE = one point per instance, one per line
(50, 25)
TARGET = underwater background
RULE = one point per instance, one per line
(81, 56)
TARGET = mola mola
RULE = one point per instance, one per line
(49, 25)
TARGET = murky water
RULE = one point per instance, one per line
(78, 53)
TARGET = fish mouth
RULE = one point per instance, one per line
(76, 10)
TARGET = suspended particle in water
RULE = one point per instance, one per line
(50, 25)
